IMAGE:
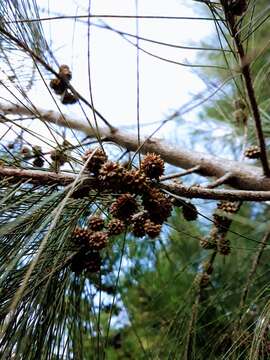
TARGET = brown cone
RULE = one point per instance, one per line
(124, 207)
(152, 229)
(80, 236)
(228, 206)
(97, 159)
(157, 205)
(65, 72)
(98, 240)
(223, 246)
(134, 181)
(115, 227)
(152, 165)
(95, 223)
(138, 223)
(111, 175)
(253, 152)
(189, 212)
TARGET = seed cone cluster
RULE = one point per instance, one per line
(89, 244)
(253, 152)
(95, 223)
(60, 85)
(228, 206)
(115, 227)
(35, 153)
(136, 203)
(153, 166)
(217, 238)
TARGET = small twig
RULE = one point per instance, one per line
(219, 181)
(180, 174)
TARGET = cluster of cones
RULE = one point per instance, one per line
(138, 205)
(217, 239)
(253, 152)
(60, 86)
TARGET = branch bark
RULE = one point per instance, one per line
(243, 176)
(12, 175)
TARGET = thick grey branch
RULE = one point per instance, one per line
(243, 176)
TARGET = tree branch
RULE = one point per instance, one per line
(243, 176)
(47, 178)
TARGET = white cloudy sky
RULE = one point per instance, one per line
(163, 86)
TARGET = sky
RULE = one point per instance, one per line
(163, 86)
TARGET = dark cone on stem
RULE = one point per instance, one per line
(238, 7)
(111, 175)
(38, 162)
(152, 229)
(228, 206)
(124, 207)
(158, 205)
(189, 212)
(115, 227)
(152, 165)
(97, 159)
(93, 262)
(95, 223)
(68, 98)
(253, 152)
(98, 240)
(58, 86)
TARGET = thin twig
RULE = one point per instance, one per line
(180, 174)
(220, 181)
